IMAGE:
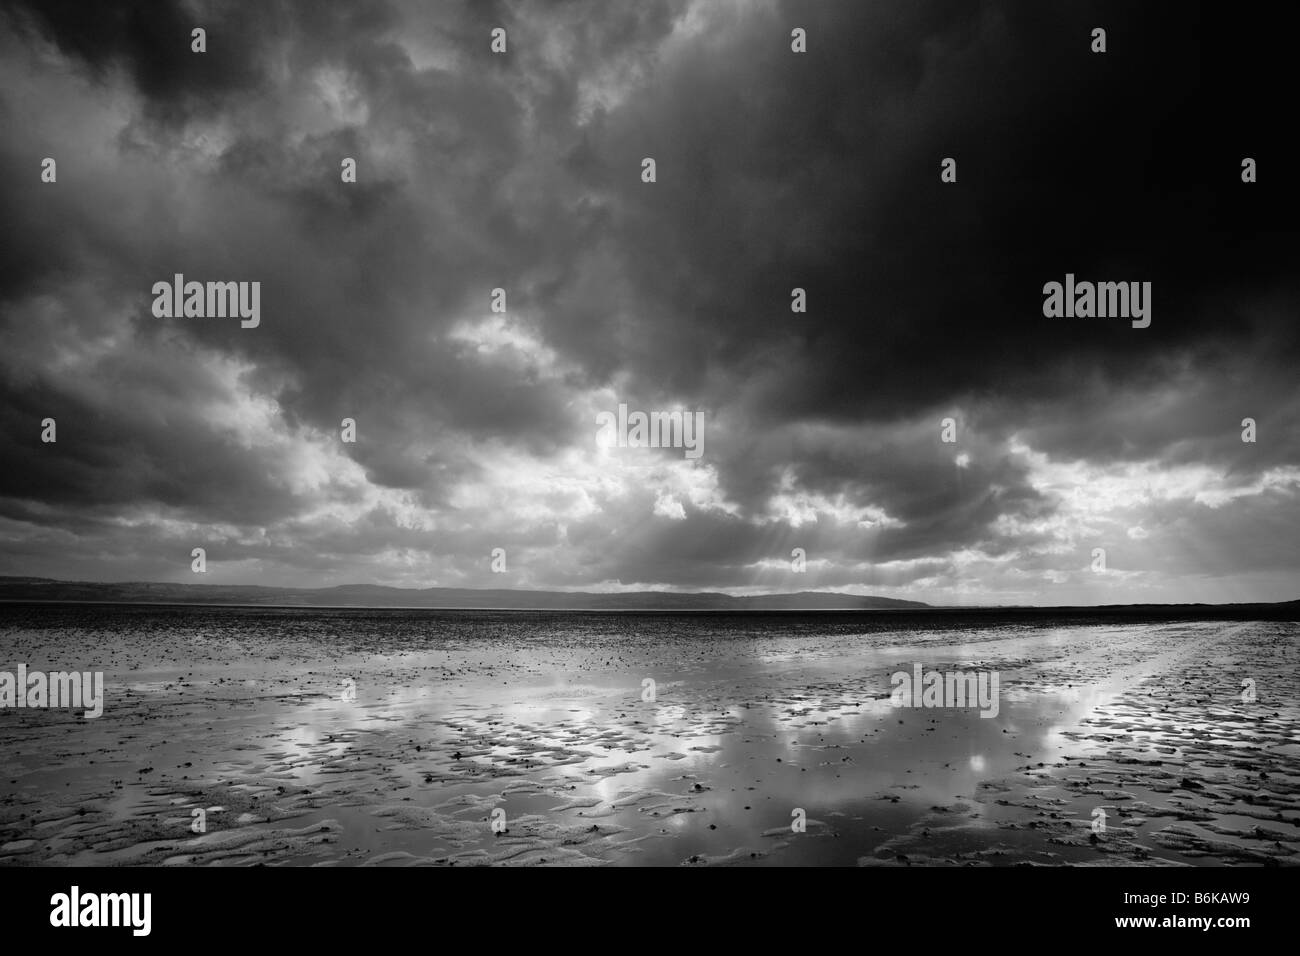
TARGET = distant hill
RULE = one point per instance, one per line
(370, 595)
(48, 590)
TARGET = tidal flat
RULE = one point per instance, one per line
(352, 737)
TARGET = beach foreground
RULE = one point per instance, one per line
(284, 737)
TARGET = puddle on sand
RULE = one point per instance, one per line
(745, 735)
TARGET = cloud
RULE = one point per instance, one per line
(775, 170)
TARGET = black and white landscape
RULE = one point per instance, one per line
(672, 432)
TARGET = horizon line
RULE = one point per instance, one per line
(916, 605)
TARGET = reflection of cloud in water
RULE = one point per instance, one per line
(744, 731)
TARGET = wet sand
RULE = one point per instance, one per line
(260, 729)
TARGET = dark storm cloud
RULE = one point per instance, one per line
(364, 283)
(921, 292)
(109, 453)
(151, 42)
(775, 170)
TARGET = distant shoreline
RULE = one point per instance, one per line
(36, 590)
(1280, 611)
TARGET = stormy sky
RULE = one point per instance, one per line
(775, 170)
